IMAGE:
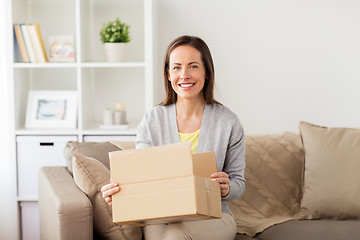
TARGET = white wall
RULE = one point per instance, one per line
(277, 62)
(8, 229)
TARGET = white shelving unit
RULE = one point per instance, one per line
(98, 84)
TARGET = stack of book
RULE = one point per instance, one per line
(30, 43)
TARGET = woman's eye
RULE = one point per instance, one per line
(176, 68)
(193, 67)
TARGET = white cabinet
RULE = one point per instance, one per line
(97, 83)
(33, 152)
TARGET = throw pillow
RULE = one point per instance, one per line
(90, 175)
(332, 172)
(98, 150)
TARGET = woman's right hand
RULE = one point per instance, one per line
(108, 190)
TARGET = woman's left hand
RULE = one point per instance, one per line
(223, 179)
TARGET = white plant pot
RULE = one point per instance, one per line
(115, 52)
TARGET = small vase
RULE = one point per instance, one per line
(115, 52)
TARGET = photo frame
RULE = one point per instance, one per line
(51, 109)
(61, 48)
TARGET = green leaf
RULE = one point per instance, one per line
(115, 31)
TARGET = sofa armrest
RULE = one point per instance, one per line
(65, 211)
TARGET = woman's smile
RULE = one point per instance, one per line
(186, 85)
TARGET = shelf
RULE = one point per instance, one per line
(46, 132)
(112, 65)
(84, 65)
(45, 65)
(65, 132)
(27, 199)
(95, 130)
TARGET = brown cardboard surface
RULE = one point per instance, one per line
(155, 163)
(204, 164)
(167, 200)
(173, 186)
(208, 197)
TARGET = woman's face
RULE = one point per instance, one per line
(187, 72)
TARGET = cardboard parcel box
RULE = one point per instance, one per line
(164, 184)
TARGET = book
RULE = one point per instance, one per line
(37, 43)
(21, 43)
(41, 41)
(29, 47)
(61, 48)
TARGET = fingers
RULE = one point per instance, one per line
(224, 189)
(220, 177)
(108, 200)
(109, 186)
(108, 190)
(223, 179)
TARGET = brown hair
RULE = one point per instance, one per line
(206, 58)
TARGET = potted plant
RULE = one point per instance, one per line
(115, 36)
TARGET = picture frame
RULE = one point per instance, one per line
(61, 48)
(51, 109)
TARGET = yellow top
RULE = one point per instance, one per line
(192, 137)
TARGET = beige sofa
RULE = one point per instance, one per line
(292, 190)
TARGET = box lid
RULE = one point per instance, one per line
(162, 162)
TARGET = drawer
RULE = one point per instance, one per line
(103, 138)
(30, 221)
(33, 152)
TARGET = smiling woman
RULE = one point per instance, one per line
(190, 113)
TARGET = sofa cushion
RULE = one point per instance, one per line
(313, 230)
(273, 173)
(240, 236)
(90, 175)
(332, 172)
(97, 150)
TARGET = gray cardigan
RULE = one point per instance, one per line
(220, 131)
